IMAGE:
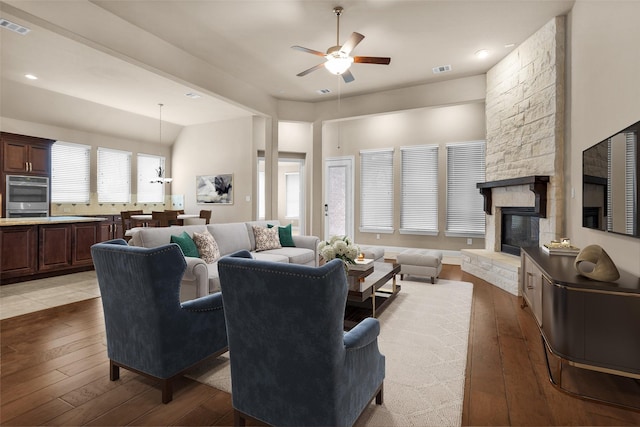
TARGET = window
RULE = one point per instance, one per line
(149, 189)
(70, 173)
(114, 176)
(292, 182)
(465, 168)
(376, 191)
(419, 204)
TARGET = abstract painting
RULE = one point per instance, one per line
(214, 189)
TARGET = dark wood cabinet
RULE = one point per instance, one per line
(55, 247)
(111, 228)
(18, 250)
(33, 251)
(26, 155)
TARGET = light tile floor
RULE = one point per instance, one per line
(34, 295)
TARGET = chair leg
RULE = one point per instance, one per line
(433, 280)
(402, 277)
(238, 419)
(167, 391)
(114, 371)
(380, 395)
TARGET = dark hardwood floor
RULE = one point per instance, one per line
(54, 371)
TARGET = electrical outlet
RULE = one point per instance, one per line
(66, 210)
(469, 241)
(378, 236)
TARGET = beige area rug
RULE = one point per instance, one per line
(424, 335)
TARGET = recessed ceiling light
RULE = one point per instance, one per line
(482, 53)
(31, 77)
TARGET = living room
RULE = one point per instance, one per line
(601, 97)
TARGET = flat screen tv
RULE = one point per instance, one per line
(610, 177)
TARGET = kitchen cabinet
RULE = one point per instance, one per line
(26, 155)
(110, 228)
(32, 248)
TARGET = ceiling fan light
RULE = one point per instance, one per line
(338, 64)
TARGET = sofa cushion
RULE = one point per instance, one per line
(207, 246)
(294, 255)
(151, 237)
(187, 244)
(286, 239)
(266, 238)
(270, 256)
(230, 237)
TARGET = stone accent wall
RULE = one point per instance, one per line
(525, 125)
(525, 136)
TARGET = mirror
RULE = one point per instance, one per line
(610, 178)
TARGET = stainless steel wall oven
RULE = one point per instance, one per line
(27, 196)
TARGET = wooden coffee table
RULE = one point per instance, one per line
(365, 298)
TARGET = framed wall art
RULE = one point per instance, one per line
(214, 189)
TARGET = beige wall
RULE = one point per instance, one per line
(603, 98)
(211, 149)
(438, 125)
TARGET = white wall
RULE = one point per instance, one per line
(604, 98)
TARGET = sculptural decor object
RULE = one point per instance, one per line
(604, 269)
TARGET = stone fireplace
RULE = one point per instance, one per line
(525, 149)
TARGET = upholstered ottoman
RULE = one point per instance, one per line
(420, 262)
(372, 252)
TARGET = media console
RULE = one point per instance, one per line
(589, 324)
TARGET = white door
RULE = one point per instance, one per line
(338, 197)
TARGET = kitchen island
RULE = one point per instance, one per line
(33, 248)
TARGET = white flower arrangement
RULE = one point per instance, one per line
(339, 247)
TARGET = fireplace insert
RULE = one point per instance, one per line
(520, 229)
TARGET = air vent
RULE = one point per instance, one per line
(13, 27)
(441, 69)
(323, 91)
(192, 95)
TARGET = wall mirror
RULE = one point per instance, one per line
(610, 176)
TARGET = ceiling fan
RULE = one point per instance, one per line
(337, 58)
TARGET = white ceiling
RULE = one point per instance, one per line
(251, 40)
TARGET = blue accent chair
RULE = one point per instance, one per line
(148, 331)
(292, 364)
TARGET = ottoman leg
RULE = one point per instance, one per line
(433, 280)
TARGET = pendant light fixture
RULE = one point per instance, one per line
(160, 179)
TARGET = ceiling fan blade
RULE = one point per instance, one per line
(311, 51)
(352, 43)
(371, 60)
(347, 76)
(305, 72)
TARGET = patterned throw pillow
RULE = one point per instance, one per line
(266, 238)
(207, 246)
(186, 244)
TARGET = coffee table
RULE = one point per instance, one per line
(365, 298)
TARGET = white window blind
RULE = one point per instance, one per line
(631, 139)
(114, 176)
(465, 168)
(376, 191)
(149, 189)
(292, 182)
(419, 205)
(70, 172)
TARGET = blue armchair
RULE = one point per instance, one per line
(148, 330)
(291, 362)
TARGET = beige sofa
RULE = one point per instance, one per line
(201, 279)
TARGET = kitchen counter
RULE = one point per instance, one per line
(8, 222)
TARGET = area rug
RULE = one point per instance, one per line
(424, 335)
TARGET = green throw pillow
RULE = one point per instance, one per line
(285, 235)
(186, 244)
